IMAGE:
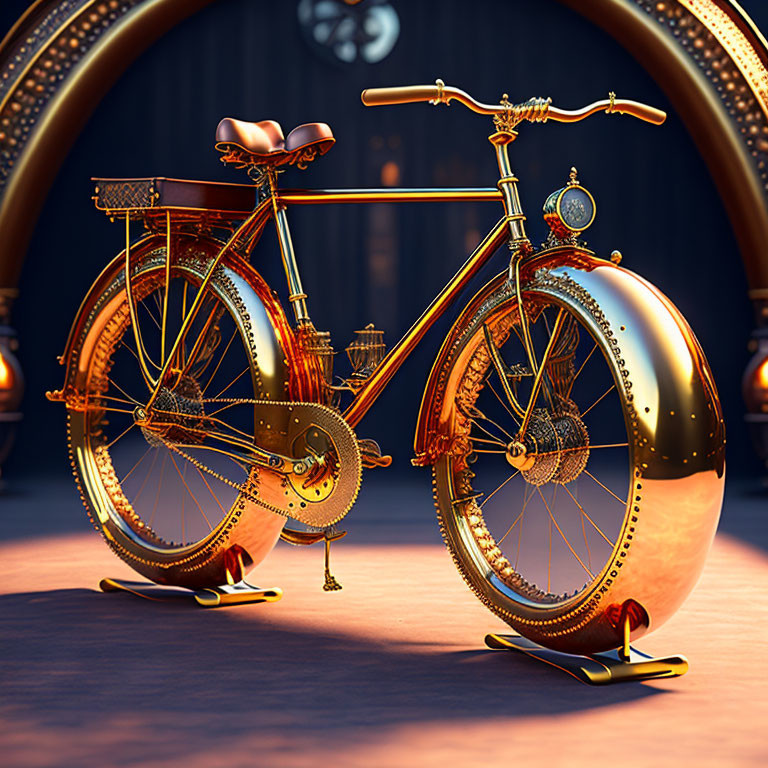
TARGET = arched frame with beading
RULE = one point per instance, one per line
(62, 56)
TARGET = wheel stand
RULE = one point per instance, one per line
(213, 597)
(622, 665)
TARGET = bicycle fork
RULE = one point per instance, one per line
(519, 244)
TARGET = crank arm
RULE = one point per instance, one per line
(258, 457)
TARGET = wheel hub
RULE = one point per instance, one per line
(554, 448)
(175, 416)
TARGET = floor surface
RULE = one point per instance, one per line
(391, 671)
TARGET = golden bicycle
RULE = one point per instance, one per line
(570, 418)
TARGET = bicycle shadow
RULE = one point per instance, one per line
(75, 659)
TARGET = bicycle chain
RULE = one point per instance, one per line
(241, 488)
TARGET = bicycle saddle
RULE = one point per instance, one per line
(244, 144)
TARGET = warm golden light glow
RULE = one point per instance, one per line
(390, 174)
(6, 374)
(761, 374)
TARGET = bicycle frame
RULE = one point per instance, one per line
(384, 372)
(509, 228)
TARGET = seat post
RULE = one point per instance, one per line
(296, 297)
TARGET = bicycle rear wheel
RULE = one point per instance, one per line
(616, 508)
(179, 509)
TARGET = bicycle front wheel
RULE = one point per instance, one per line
(609, 516)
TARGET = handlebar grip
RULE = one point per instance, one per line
(641, 111)
(404, 94)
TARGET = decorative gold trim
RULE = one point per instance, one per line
(562, 221)
(70, 23)
(735, 44)
(719, 106)
(57, 113)
(19, 24)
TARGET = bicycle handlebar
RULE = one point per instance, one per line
(534, 110)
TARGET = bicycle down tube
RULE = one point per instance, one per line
(391, 363)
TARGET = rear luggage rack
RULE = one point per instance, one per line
(189, 199)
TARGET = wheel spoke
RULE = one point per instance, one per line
(605, 488)
(476, 439)
(121, 435)
(605, 394)
(584, 533)
(583, 513)
(143, 456)
(540, 373)
(167, 286)
(215, 497)
(182, 355)
(237, 378)
(189, 490)
(527, 496)
(516, 520)
(584, 448)
(565, 539)
(500, 366)
(238, 457)
(146, 477)
(148, 310)
(505, 406)
(213, 316)
(133, 352)
(547, 382)
(107, 408)
(490, 421)
(115, 399)
(223, 408)
(221, 359)
(247, 435)
(481, 427)
(498, 488)
(549, 545)
(159, 487)
(581, 368)
(122, 391)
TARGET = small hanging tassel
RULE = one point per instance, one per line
(331, 585)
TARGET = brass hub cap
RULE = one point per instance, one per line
(175, 416)
(554, 449)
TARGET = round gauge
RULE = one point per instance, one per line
(569, 210)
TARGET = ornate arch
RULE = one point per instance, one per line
(62, 56)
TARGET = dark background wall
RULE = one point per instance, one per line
(247, 58)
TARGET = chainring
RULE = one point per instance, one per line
(322, 494)
(318, 493)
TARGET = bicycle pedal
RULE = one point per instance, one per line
(370, 454)
(307, 538)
